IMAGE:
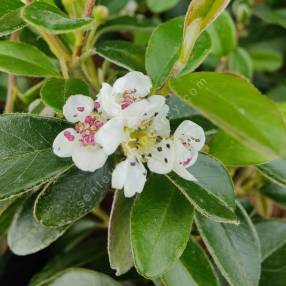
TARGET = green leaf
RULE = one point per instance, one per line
(223, 35)
(233, 153)
(272, 236)
(275, 192)
(10, 19)
(83, 277)
(160, 62)
(278, 93)
(119, 244)
(231, 103)
(266, 59)
(126, 23)
(277, 17)
(74, 195)
(213, 194)
(90, 251)
(26, 235)
(26, 155)
(124, 54)
(158, 6)
(114, 6)
(241, 62)
(52, 19)
(159, 234)
(234, 248)
(275, 171)
(193, 269)
(26, 60)
(55, 92)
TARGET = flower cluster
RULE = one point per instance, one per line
(123, 115)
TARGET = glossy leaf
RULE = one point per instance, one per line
(26, 235)
(90, 251)
(160, 61)
(272, 236)
(233, 153)
(55, 92)
(83, 277)
(237, 107)
(23, 59)
(158, 6)
(275, 171)
(10, 19)
(26, 156)
(275, 192)
(159, 235)
(213, 194)
(74, 195)
(193, 269)
(50, 18)
(119, 244)
(266, 59)
(127, 23)
(241, 62)
(124, 54)
(223, 35)
(234, 248)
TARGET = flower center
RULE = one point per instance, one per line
(88, 129)
(128, 98)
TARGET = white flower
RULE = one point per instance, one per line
(79, 142)
(189, 139)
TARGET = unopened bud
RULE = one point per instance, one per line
(100, 13)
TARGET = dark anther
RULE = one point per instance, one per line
(160, 149)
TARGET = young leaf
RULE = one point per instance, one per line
(160, 234)
(241, 62)
(26, 235)
(160, 61)
(10, 20)
(74, 195)
(122, 53)
(223, 35)
(83, 277)
(231, 103)
(213, 194)
(234, 248)
(119, 244)
(50, 18)
(26, 60)
(272, 236)
(193, 269)
(275, 171)
(233, 153)
(200, 14)
(55, 92)
(26, 156)
(158, 6)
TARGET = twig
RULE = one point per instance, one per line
(9, 107)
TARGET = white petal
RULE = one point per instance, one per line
(184, 173)
(65, 143)
(162, 157)
(111, 135)
(108, 104)
(192, 134)
(135, 179)
(89, 158)
(184, 156)
(135, 82)
(119, 175)
(77, 107)
(161, 124)
(133, 114)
